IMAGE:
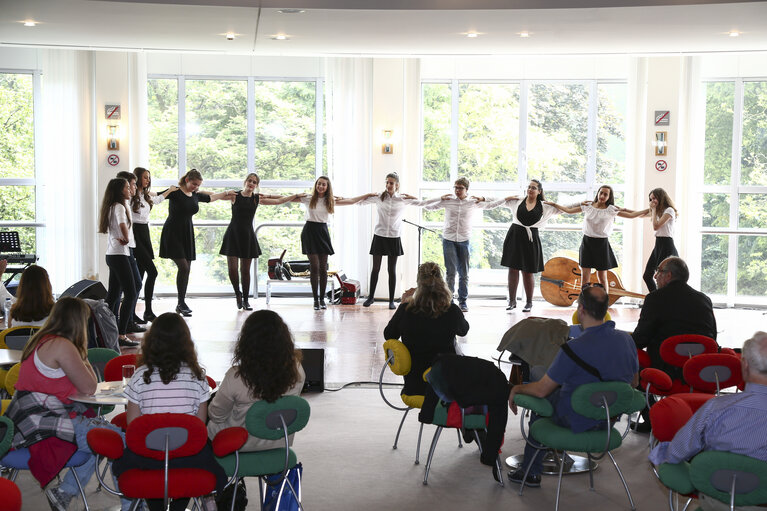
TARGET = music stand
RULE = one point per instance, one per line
(9, 241)
(421, 228)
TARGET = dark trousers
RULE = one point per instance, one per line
(122, 279)
(145, 264)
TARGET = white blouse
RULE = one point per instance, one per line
(142, 216)
(117, 216)
(548, 212)
(390, 213)
(667, 230)
(131, 238)
(598, 223)
(319, 213)
(459, 214)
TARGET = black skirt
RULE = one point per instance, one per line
(519, 253)
(664, 247)
(143, 240)
(382, 246)
(315, 239)
(596, 253)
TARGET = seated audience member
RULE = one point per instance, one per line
(34, 298)
(734, 423)
(427, 320)
(265, 366)
(609, 351)
(54, 367)
(674, 308)
(471, 381)
(169, 380)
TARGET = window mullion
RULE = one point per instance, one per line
(591, 140)
(737, 139)
(318, 126)
(251, 119)
(524, 89)
(181, 126)
(455, 96)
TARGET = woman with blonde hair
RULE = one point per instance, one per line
(663, 214)
(34, 298)
(428, 322)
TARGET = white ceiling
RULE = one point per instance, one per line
(424, 28)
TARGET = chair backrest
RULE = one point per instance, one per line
(113, 371)
(717, 473)
(667, 416)
(589, 399)
(677, 349)
(273, 421)
(147, 435)
(11, 378)
(6, 435)
(211, 382)
(397, 357)
(98, 357)
(712, 372)
(16, 338)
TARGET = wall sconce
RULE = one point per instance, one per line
(387, 147)
(660, 143)
(113, 137)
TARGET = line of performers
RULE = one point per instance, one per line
(128, 201)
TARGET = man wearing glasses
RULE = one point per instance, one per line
(672, 309)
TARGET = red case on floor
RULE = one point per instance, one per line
(350, 289)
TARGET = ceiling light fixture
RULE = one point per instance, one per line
(29, 23)
(472, 34)
(291, 11)
(280, 37)
(734, 33)
(524, 33)
(230, 36)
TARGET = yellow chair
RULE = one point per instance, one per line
(577, 321)
(11, 378)
(15, 338)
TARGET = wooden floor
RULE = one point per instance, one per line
(352, 335)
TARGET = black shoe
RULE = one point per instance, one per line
(127, 343)
(642, 427)
(133, 328)
(316, 304)
(184, 307)
(392, 306)
(369, 301)
(531, 481)
(245, 305)
(184, 312)
(464, 307)
(138, 320)
(238, 299)
(149, 316)
(528, 307)
(322, 304)
(512, 306)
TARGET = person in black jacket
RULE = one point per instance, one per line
(673, 309)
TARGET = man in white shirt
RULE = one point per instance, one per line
(459, 210)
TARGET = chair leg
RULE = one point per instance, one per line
(399, 429)
(418, 445)
(13, 474)
(476, 439)
(499, 468)
(559, 483)
(431, 454)
(460, 443)
(234, 493)
(623, 480)
(80, 488)
(527, 470)
(591, 471)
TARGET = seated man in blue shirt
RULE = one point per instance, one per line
(609, 352)
(734, 423)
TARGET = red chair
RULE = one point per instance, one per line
(162, 436)
(712, 372)
(11, 496)
(675, 351)
(113, 371)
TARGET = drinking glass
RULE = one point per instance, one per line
(128, 371)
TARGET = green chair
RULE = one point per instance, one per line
(734, 479)
(602, 400)
(270, 421)
(98, 357)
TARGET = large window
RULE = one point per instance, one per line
(18, 185)
(734, 216)
(569, 135)
(226, 128)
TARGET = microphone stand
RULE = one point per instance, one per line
(421, 228)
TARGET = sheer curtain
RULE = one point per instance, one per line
(68, 167)
(349, 106)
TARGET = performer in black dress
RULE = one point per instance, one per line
(177, 239)
(663, 214)
(522, 249)
(240, 244)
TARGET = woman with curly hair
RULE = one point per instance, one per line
(34, 298)
(428, 321)
(169, 380)
(266, 366)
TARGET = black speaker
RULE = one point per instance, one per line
(91, 289)
(314, 367)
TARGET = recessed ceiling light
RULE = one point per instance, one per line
(472, 35)
(291, 11)
(524, 33)
(29, 23)
(230, 36)
(280, 37)
(734, 33)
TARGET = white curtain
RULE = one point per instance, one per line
(349, 106)
(68, 167)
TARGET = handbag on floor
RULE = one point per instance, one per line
(224, 501)
(279, 497)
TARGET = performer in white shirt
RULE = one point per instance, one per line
(663, 213)
(386, 236)
(141, 205)
(315, 237)
(459, 210)
(599, 215)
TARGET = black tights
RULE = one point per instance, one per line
(146, 265)
(182, 278)
(391, 268)
(244, 274)
(528, 282)
(318, 274)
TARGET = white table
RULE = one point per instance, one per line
(107, 393)
(10, 357)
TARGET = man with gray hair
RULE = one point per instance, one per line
(735, 423)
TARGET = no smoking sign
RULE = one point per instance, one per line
(113, 160)
(661, 165)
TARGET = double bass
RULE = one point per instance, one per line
(561, 283)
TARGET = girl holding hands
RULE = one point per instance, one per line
(663, 213)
